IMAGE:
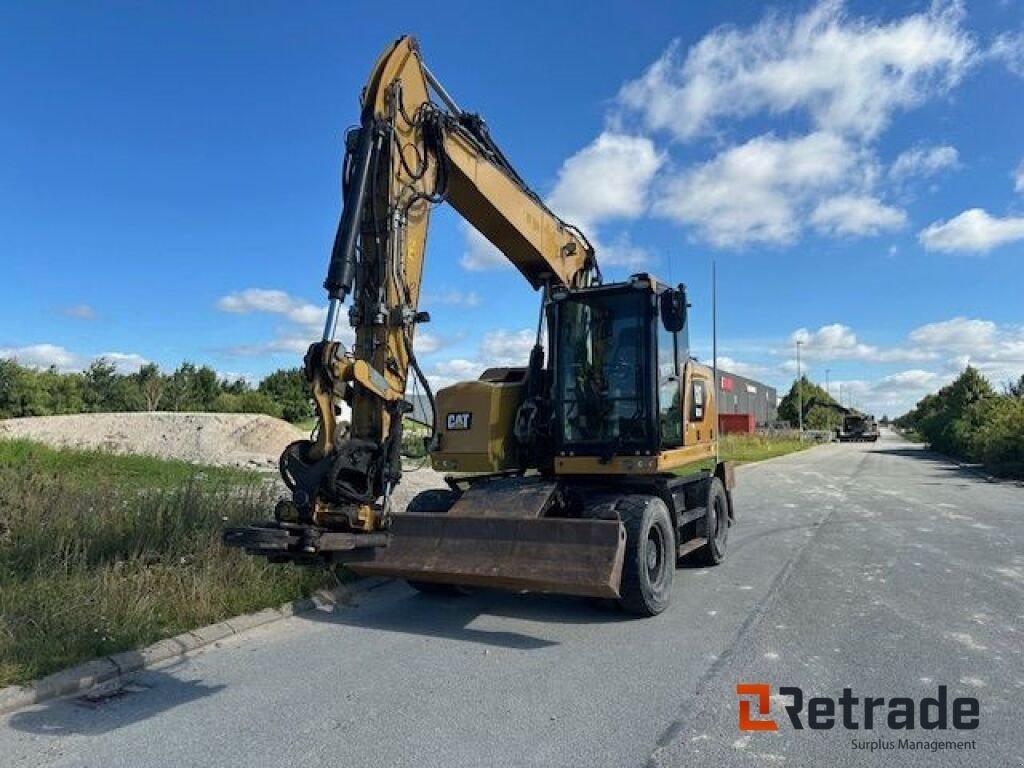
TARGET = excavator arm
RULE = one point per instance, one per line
(414, 148)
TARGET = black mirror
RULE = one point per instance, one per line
(673, 309)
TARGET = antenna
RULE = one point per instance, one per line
(714, 348)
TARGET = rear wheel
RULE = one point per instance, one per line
(716, 525)
(433, 502)
(649, 564)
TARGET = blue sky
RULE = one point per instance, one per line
(169, 177)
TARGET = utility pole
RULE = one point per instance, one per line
(799, 391)
(714, 347)
(828, 390)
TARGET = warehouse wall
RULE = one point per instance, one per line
(741, 395)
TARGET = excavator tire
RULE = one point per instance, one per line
(715, 526)
(650, 560)
(433, 502)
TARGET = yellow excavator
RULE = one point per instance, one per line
(591, 470)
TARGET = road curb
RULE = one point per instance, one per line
(108, 669)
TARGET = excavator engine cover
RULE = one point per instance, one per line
(476, 420)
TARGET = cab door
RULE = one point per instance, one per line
(670, 391)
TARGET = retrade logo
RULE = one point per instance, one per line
(762, 692)
(900, 713)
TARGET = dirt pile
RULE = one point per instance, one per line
(250, 441)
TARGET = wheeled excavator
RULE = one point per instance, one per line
(590, 470)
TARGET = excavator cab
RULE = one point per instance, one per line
(603, 394)
(611, 397)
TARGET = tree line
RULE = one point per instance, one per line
(969, 420)
(820, 409)
(26, 391)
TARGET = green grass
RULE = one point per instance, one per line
(102, 553)
(92, 468)
(746, 448)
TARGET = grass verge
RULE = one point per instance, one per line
(102, 553)
(746, 448)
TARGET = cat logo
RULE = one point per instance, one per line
(460, 421)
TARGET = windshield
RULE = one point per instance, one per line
(600, 370)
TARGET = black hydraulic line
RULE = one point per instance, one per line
(341, 271)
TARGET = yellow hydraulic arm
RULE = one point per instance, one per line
(409, 153)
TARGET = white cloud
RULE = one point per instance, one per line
(1009, 48)
(995, 350)
(923, 162)
(478, 254)
(621, 252)
(507, 348)
(915, 380)
(274, 302)
(53, 355)
(850, 75)
(896, 393)
(80, 312)
(284, 345)
(448, 372)
(42, 356)
(1018, 177)
(747, 370)
(498, 349)
(973, 231)
(606, 179)
(760, 191)
(839, 342)
(425, 343)
(124, 362)
(856, 215)
(959, 334)
(304, 322)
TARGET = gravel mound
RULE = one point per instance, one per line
(251, 441)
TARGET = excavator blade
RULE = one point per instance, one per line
(565, 556)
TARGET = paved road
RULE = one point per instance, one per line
(878, 567)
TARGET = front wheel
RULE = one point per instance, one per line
(649, 564)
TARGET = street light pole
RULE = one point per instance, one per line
(799, 391)
(828, 391)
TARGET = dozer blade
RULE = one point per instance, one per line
(573, 557)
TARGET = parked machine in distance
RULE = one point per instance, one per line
(590, 470)
(857, 427)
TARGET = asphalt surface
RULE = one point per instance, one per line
(877, 567)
